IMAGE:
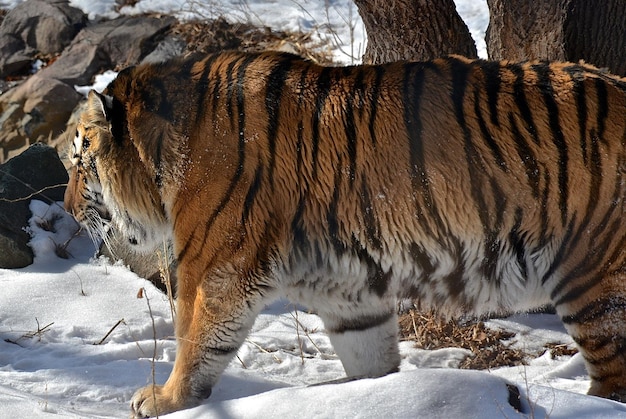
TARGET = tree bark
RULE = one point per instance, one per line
(415, 30)
(565, 30)
(595, 31)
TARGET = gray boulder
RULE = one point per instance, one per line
(21, 178)
(110, 44)
(36, 27)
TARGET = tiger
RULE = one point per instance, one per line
(471, 186)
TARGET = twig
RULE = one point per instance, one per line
(306, 333)
(39, 332)
(166, 276)
(260, 348)
(27, 197)
(109, 332)
(298, 336)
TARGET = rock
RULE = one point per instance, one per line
(116, 43)
(35, 110)
(170, 47)
(21, 178)
(36, 26)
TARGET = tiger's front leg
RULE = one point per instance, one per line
(213, 319)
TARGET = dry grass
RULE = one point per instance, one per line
(218, 35)
(491, 348)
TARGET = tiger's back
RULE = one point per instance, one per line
(474, 186)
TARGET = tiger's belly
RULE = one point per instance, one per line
(446, 282)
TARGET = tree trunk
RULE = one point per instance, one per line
(595, 31)
(413, 30)
(569, 30)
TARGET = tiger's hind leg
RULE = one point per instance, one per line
(596, 320)
(365, 341)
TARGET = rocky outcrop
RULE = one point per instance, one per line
(35, 174)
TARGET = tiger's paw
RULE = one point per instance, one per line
(152, 401)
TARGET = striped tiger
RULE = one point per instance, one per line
(472, 186)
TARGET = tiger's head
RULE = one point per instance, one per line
(109, 183)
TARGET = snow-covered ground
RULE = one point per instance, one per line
(76, 340)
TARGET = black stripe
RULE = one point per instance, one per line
(230, 87)
(603, 107)
(299, 141)
(561, 252)
(578, 78)
(543, 72)
(156, 100)
(117, 118)
(332, 217)
(300, 237)
(350, 132)
(521, 102)
(226, 351)
(526, 156)
(380, 73)
(275, 84)
(358, 89)
(615, 201)
(595, 185)
(252, 194)
(413, 86)
(487, 137)
(372, 224)
(455, 281)
(158, 176)
(491, 74)
(217, 88)
(377, 278)
(543, 208)
(300, 125)
(596, 310)
(492, 232)
(324, 84)
(202, 87)
(518, 243)
(361, 323)
(422, 258)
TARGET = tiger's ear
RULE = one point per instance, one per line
(100, 105)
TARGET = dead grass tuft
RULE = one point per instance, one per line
(491, 348)
(218, 35)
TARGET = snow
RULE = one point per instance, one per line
(79, 335)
